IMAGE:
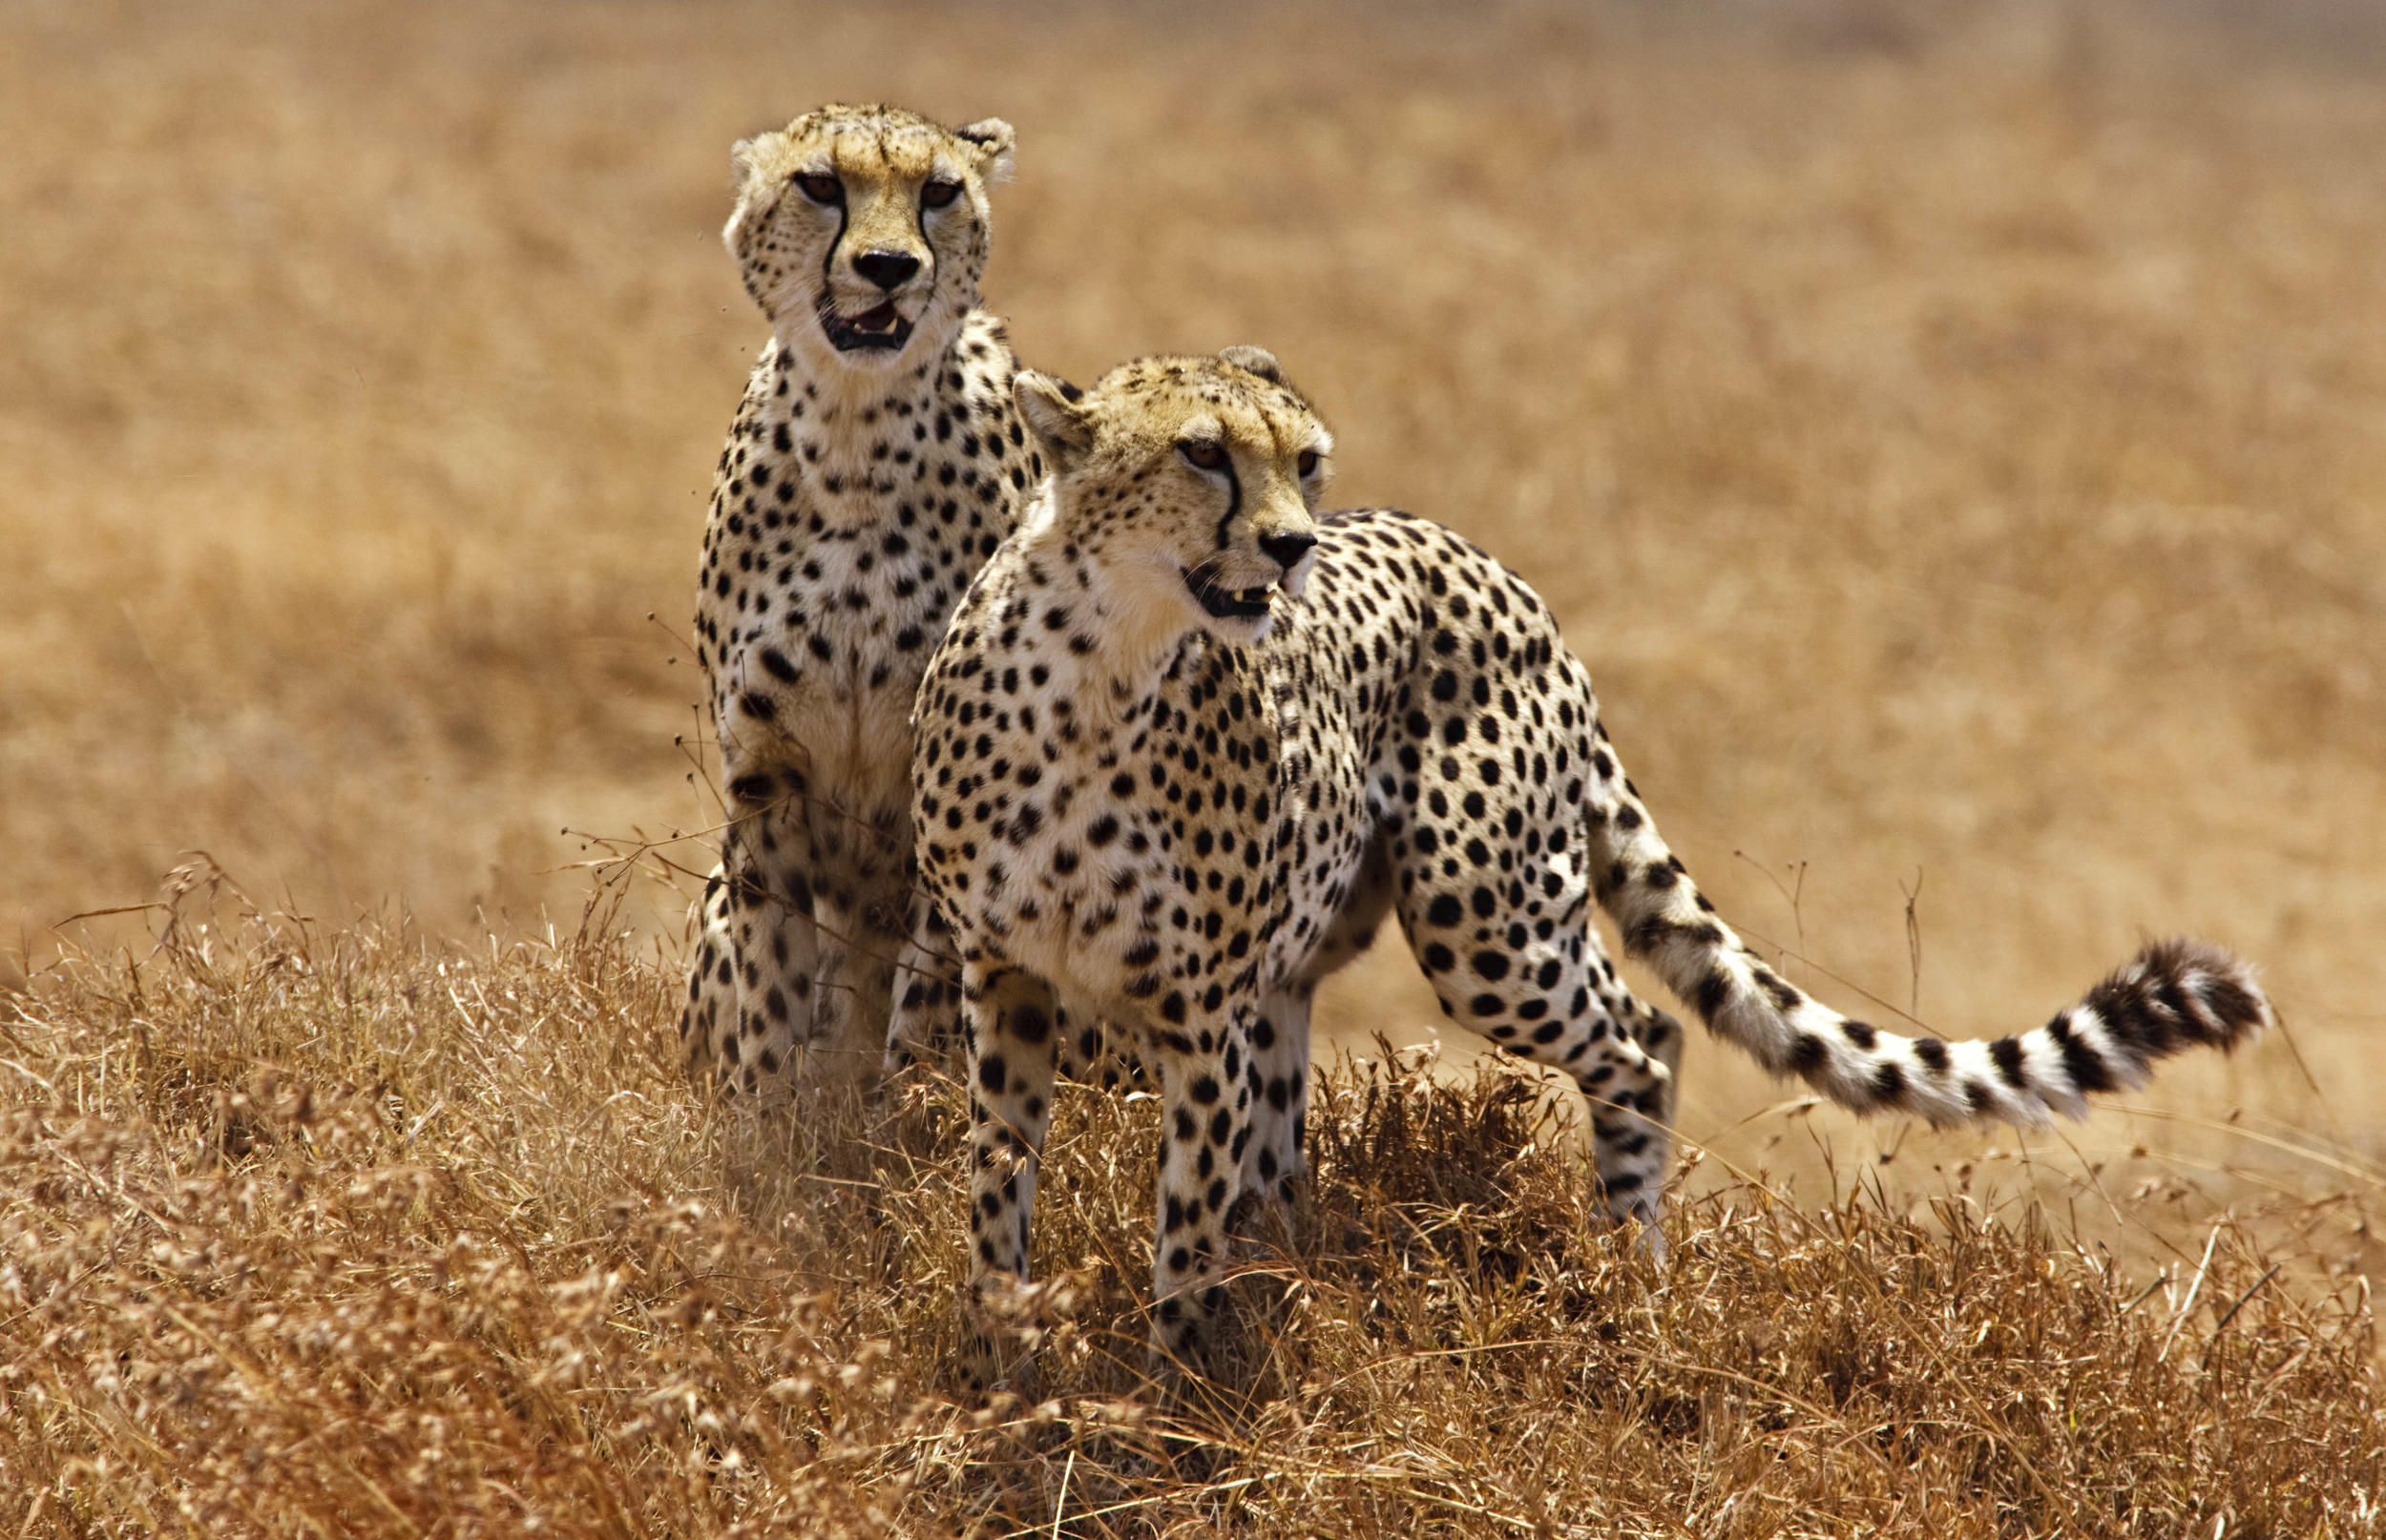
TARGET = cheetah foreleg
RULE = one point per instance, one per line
(712, 984)
(1011, 1042)
(926, 1025)
(1206, 1113)
(1279, 1083)
(862, 907)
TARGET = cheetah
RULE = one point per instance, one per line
(1187, 741)
(875, 464)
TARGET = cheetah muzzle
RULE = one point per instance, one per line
(1226, 604)
(881, 328)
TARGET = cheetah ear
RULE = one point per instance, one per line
(1055, 414)
(749, 158)
(1257, 360)
(742, 163)
(752, 170)
(995, 140)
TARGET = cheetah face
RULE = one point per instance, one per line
(1190, 483)
(862, 232)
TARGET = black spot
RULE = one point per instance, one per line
(2088, 1067)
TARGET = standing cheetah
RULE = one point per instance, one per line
(872, 467)
(1185, 742)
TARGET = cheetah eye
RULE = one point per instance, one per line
(822, 190)
(1307, 464)
(1202, 454)
(937, 195)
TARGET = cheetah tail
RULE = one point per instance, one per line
(2172, 995)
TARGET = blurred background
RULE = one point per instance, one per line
(1953, 433)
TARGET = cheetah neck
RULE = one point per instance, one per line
(860, 437)
(1119, 644)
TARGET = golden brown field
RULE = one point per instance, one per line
(1955, 434)
(471, 1262)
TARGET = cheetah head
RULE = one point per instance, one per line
(1189, 484)
(862, 232)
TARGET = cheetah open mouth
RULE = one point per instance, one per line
(1249, 603)
(880, 328)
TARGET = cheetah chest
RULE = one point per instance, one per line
(1183, 855)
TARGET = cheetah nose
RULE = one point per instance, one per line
(1286, 550)
(889, 270)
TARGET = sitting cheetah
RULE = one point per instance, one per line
(1186, 744)
(872, 467)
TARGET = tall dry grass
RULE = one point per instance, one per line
(308, 1231)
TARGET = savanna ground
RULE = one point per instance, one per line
(1954, 434)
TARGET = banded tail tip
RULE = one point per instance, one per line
(2177, 994)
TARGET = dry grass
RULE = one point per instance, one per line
(309, 1232)
(1949, 430)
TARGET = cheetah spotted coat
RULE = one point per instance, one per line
(1186, 743)
(872, 467)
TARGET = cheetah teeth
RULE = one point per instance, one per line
(1224, 603)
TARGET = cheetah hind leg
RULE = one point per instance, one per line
(1553, 998)
(1659, 1033)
